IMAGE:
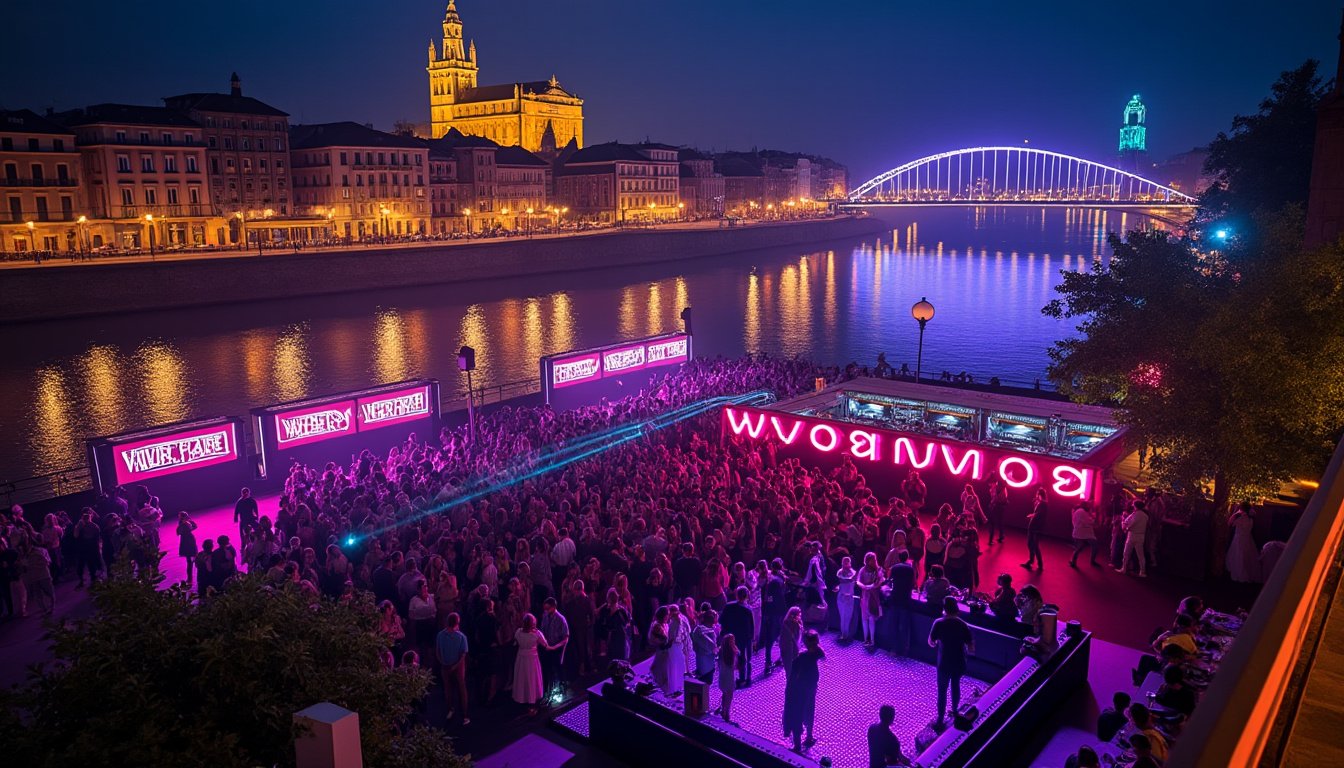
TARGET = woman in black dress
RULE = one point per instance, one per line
(800, 692)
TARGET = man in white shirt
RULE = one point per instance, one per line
(562, 554)
(1135, 526)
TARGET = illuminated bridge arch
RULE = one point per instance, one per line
(1011, 174)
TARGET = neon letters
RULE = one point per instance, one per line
(168, 454)
(311, 425)
(921, 452)
(575, 371)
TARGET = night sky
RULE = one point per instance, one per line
(872, 84)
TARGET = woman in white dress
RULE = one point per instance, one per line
(844, 600)
(527, 685)
(678, 644)
(1243, 557)
(658, 644)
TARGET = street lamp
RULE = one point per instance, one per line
(466, 214)
(923, 312)
(651, 206)
(83, 222)
(529, 222)
(384, 210)
(505, 214)
(149, 222)
(681, 211)
(32, 240)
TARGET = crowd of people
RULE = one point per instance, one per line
(697, 551)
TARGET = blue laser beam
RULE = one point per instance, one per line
(560, 455)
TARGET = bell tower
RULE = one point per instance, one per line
(452, 70)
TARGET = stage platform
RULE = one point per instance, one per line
(855, 681)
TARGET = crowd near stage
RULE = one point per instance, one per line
(873, 433)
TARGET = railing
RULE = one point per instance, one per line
(58, 182)
(495, 393)
(1248, 710)
(48, 486)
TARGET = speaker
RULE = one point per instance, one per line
(466, 359)
(686, 319)
(696, 697)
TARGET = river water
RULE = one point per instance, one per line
(988, 271)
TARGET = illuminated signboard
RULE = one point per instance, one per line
(878, 447)
(175, 452)
(576, 370)
(399, 406)
(310, 425)
(584, 366)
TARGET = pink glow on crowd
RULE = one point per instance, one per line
(915, 451)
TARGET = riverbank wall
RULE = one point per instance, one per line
(60, 291)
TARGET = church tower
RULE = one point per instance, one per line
(452, 71)
(1134, 136)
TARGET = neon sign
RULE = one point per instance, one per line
(584, 366)
(310, 425)
(175, 452)
(914, 451)
(397, 407)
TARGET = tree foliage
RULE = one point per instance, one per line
(1264, 162)
(155, 679)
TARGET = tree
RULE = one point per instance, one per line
(155, 679)
(1264, 163)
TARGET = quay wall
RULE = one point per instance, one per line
(55, 291)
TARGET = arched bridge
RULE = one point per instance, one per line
(994, 175)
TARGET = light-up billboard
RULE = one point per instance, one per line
(587, 366)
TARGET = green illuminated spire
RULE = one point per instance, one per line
(1133, 134)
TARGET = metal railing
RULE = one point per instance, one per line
(48, 486)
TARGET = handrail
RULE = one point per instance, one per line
(1255, 686)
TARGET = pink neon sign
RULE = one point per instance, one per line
(389, 408)
(176, 452)
(913, 451)
(313, 424)
(623, 359)
(576, 370)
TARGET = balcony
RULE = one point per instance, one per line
(16, 182)
(162, 211)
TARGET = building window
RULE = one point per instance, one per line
(191, 164)
(67, 208)
(151, 196)
(247, 165)
(187, 138)
(228, 163)
(228, 142)
(15, 209)
(210, 142)
(170, 164)
(194, 195)
(58, 145)
(167, 139)
(7, 144)
(172, 195)
(121, 137)
(144, 137)
(63, 173)
(247, 143)
(38, 176)
(147, 163)
(42, 214)
(214, 164)
(279, 145)
(127, 196)
(33, 146)
(124, 163)
(262, 163)
(244, 125)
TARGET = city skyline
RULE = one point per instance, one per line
(670, 86)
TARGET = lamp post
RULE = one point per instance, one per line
(651, 206)
(149, 222)
(32, 240)
(384, 210)
(242, 230)
(560, 220)
(83, 222)
(922, 312)
(505, 213)
(529, 222)
(681, 211)
(266, 214)
(466, 214)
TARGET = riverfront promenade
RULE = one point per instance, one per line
(284, 249)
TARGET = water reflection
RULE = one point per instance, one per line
(101, 369)
(290, 366)
(164, 384)
(389, 347)
(55, 442)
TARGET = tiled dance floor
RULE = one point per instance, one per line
(854, 683)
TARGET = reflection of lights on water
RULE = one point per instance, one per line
(751, 332)
(653, 322)
(163, 381)
(532, 328)
(55, 442)
(389, 346)
(472, 333)
(562, 322)
(290, 366)
(627, 314)
(101, 369)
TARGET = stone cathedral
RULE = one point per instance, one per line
(538, 115)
